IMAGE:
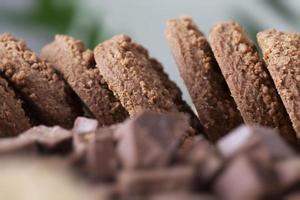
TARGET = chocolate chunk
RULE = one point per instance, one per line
(244, 179)
(46, 95)
(206, 160)
(216, 108)
(101, 159)
(182, 195)
(77, 65)
(84, 125)
(247, 139)
(149, 139)
(39, 139)
(248, 79)
(288, 173)
(17, 145)
(50, 139)
(152, 181)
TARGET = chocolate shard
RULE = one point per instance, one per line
(149, 139)
(39, 139)
(207, 161)
(251, 138)
(84, 135)
(50, 139)
(101, 158)
(84, 125)
(245, 179)
(17, 145)
(288, 173)
(182, 195)
(145, 182)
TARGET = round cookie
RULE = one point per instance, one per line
(130, 75)
(13, 120)
(248, 79)
(281, 51)
(77, 66)
(138, 80)
(216, 109)
(47, 95)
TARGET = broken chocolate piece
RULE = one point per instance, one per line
(180, 178)
(207, 161)
(149, 139)
(288, 173)
(9, 146)
(101, 159)
(50, 139)
(244, 179)
(246, 138)
(84, 125)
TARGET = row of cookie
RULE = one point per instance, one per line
(66, 83)
(228, 81)
(126, 80)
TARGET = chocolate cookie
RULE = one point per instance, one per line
(12, 116)
(216, 108)
(281, 51)
(248, 79)
(136, 79)
(77, 65)
(36, 81)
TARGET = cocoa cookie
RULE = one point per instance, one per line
(12, 116)
(282, 55)
(138, 80)
(43, 90)
(248, 79)
(216, 108)
(130, 74)
(70, 57)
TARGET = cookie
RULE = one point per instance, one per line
(138, 80)
(281, 52)
(216, 109)
(248, 79)
(70, 57)
(12, 116)
(46, 94)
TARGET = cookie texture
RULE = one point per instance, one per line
(281, 52)
(138, 80)
(248, 79)
(130, 75)
(76, 63)
(43, 90)
(198, 68)
(13, 120)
